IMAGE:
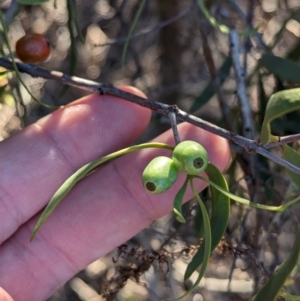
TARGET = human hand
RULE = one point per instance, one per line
(100, 213)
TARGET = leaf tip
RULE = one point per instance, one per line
(181, 219)
(179, 216)
(33, 236)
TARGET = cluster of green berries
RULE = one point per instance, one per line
(161, 173)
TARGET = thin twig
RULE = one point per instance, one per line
(251, 146)
(248, 127)
(173, 121)
(239, 251)
(257, 35)
(284, 140)
(242, 94)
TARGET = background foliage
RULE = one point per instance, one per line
(176, 57)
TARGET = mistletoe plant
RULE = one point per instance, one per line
(160, 174)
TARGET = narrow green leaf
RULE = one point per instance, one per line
(72, 49)
(136, 18)
(285, 69)
(65, 188)
(278, 105)
(219, 216)
(292, 156)
(198, 223)
(32, 2)
(249, 203)
(209, 90)
(272, 287)
(206, 242)
(177, 204)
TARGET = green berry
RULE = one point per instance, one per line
(159, 175)
(190, 157)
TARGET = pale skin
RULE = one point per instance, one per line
(100, 213)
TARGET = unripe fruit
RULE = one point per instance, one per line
(33, 48)
(159, 175)
(190, 157)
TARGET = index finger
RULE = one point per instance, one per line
(36, 161)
